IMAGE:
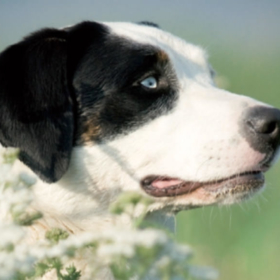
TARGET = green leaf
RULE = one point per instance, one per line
(56, 234)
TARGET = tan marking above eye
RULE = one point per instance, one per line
(162, 56)
(91, 130)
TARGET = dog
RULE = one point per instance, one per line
(98, 109)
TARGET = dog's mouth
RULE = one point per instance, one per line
(163, 186)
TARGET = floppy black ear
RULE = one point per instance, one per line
(36, 113)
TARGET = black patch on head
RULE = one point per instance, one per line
(38, 107)
(107, 82)
(59, 88)
(36, 110)
(149, 23)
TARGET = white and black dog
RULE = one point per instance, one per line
(97, 109)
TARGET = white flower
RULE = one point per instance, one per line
(106, 246)
(112, 250)
(27, 179)
(10, 234)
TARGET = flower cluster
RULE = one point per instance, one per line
(121, 254)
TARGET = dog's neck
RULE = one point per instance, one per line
(77, 205)
(96, 224)
(74, 209)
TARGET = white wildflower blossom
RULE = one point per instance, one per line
(112, 250)
(27, 179)
(131, 253)
(10, 234)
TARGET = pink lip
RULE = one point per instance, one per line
(162, 186)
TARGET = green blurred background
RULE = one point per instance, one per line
(243, 39)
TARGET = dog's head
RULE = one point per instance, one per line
(121, 106)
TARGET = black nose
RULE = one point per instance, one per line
(261, 128)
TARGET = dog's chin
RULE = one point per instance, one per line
(178, 194)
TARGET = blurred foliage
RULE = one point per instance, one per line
(241, 241)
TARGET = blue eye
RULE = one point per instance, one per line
(150, 82)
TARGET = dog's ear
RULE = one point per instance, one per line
(36, 113)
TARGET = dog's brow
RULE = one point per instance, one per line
(162, 56)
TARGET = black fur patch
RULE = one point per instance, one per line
(149, 23)
(60, 88)
(107, 83)
(36, 111)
